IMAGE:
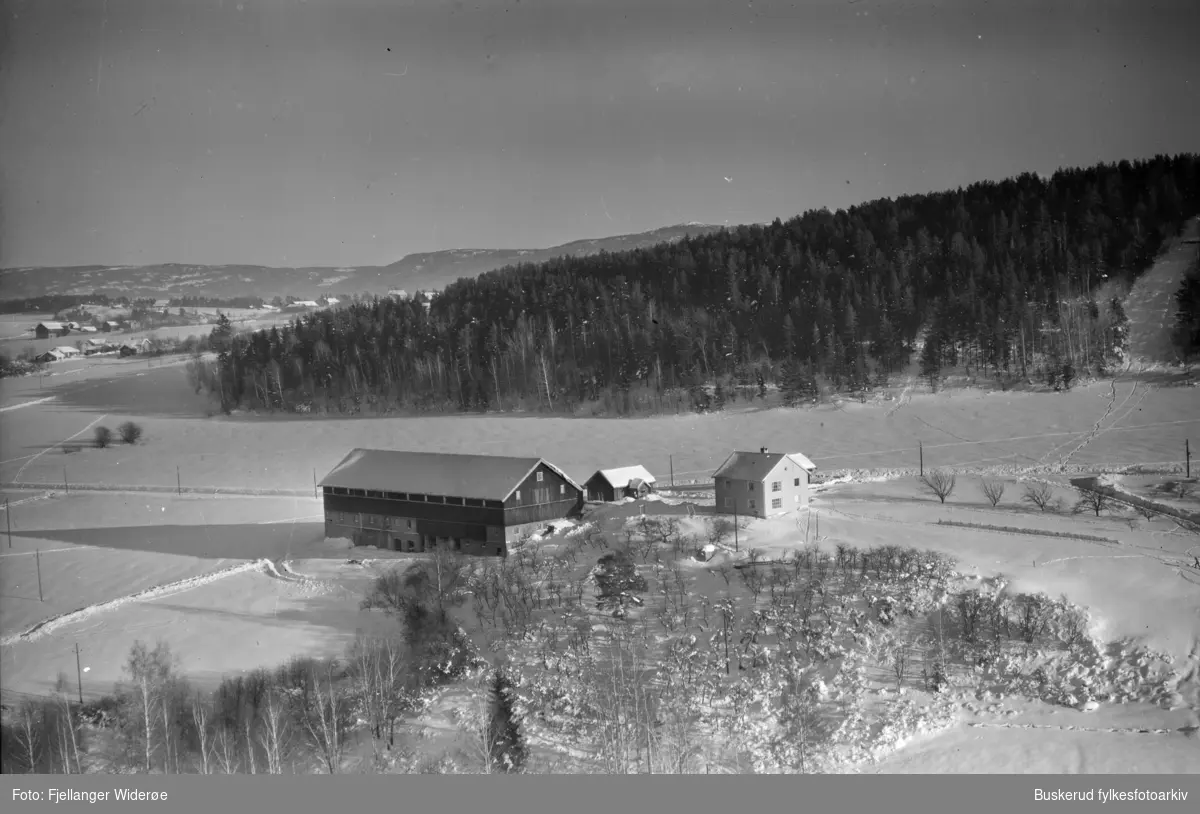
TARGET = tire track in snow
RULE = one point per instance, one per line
(17, 477)
(47, 626)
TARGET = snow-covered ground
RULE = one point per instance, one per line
(1150, 305)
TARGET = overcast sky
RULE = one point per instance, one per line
(350, 132)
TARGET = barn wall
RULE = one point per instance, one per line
(407, 509)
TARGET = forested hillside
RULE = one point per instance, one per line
(1008, 279)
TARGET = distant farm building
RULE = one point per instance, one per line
(419, 501)
(45, 330)
(161, 305)
(763, 483)
(91, 346)
(608, 485)
(398, 294)
(108, 325)
(128, 350)
(58, 354)
(331, 301)
(304, 304)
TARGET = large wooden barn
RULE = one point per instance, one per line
(417, 501)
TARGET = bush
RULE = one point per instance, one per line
(104, 437)
(130, 432)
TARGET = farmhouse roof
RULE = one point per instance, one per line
(621, 477)
(67, 350)
(756, 466)
(483, 477)
(51, 326)
(161, 303)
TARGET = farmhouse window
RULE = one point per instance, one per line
(797, 482)
(777, 503)
(539, 477)
(776, 486)
(749, 486)
(410, 524)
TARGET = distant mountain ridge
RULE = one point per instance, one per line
(424, 271)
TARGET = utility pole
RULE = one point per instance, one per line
(37, 555)
(316, 494)
(8, 521)
(79, 673)
(66, 485)
(921, 452)
(672, 471)
(178, 482)
(735, 525)
(1187, 457)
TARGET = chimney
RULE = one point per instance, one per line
(763, 450)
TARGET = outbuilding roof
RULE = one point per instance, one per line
(620, 478)
(483, 477)
(756, 466)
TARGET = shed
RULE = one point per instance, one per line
(608, 485)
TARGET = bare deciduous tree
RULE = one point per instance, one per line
(150, 672)
(940, 482)
(1040, 495)
(993, 490)
(1093, 501)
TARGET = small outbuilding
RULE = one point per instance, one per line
(608, 485)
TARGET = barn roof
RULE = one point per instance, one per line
(755, 466)
(51, 326)
(619, 478)
(484, 477)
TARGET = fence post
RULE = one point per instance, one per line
(8, 521)
(38, 558)
(921, 452)
(316, 493)
(1187, 457)
(672, 471)
(79, 673)
(178, 482)
(66, 485)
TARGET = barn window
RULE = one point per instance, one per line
(796, 498)
(797, 482)
(777, 503)
(749, 486)
(358, 492)
(328, 490)
(518, 495)
(562, 488)
(539, 476)
(752, 504)
(728, 503)
(393, 495)
(374, 494)
(776, 486)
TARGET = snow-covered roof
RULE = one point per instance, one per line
(803, 461)
(620, 477)
(67, 350)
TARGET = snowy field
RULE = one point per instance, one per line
(1100, 424)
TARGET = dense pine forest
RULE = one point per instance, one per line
(1016, 280)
